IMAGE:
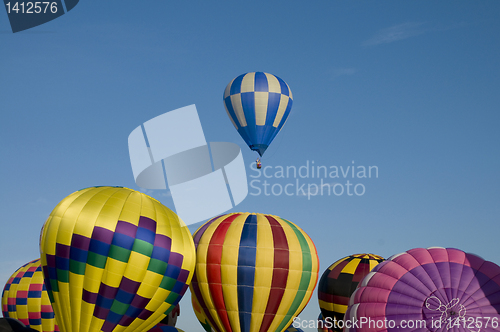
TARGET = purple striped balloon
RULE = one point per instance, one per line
(433, 289)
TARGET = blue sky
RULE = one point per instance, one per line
(410, 87)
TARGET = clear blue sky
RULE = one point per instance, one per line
(411, 87)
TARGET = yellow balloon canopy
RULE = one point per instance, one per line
(254, 272)
(114, 259)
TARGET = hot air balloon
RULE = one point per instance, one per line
(254, 272)
(114, 259)
(258, 105)
(339, 281)
(25, 298)
(198, 311)
(433, 289)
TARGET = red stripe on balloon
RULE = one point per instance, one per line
(214, 277)
(280, 273)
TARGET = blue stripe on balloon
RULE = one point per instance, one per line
(246, 271)
(272, 107)
(124, 296)
(99, 247)
(231, 111)
(245, 134)
(103, 302)
(35, 321)
(78, 255)
(236, 85)
(47, 315)
(264, 134)
(113, 317)
(145, 235)
(284, 87)
(248, 103)
(32, 294)
(172, 271)
(62, 263)
(261, 83)
(121, 240)
(160, 254)
(21, 301)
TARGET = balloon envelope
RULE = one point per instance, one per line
(114, 259)
(340, 280)
(25, 298)
(439, 289)
(254, 272)
(258, 105)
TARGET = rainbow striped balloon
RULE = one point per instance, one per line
(114, 259)
(254, 272)
(25, 298)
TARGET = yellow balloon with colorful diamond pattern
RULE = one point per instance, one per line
(114, 259)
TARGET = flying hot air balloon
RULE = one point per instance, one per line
(339, 281)
(114, 259)
(258, 105)
(254, 272)
(433, 289)
(25, 298)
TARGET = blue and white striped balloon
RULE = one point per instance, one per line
(258, 105)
